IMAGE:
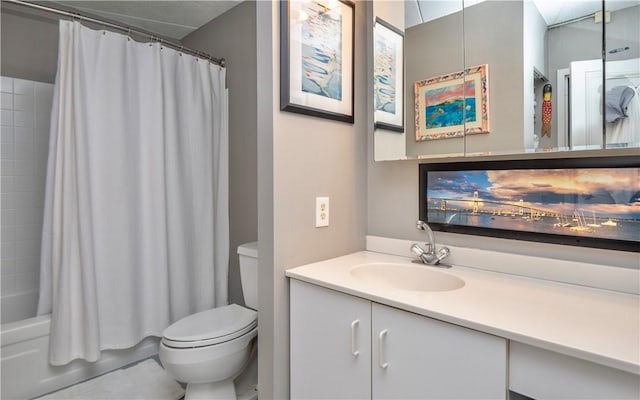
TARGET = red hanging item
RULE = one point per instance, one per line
(546, 110)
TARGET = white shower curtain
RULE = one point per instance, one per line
(136, 226)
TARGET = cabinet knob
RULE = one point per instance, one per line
(381, 363)
(354, 328)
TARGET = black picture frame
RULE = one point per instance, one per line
(394, 37)
(330, 101)
(562, 237)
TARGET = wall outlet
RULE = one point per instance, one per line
(322, 212)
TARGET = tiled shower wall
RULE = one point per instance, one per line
(26, 110)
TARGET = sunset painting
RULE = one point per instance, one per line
(587, 202)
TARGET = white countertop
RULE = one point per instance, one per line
(597, 325)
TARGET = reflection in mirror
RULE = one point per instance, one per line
(622, 66)
(434, 55)
(576, 66)
(561, 61)
(540, 40)
(545, 73)
(389, 144)
(496, 33)
(574, 57)
(433, 44)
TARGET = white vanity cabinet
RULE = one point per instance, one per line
(387, 353)
(330, 344)
(416, 357)
(543, 374)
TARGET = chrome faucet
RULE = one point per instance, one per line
(431, 255)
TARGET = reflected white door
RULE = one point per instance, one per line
(585, 99)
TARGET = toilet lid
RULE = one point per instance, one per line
(224, 322)
(248, 249)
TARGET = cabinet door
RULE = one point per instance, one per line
(543, 374)
(330, 344)
(415, 357)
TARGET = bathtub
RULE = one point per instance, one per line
(19, 306)
(26, 372)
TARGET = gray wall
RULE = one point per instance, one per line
(266, 16)
(393, 209)
(624, 30)
(493, 35)
(431, 49)
(29, 45)
(307, 157)
(239, 23)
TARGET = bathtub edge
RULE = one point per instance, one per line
(13, 332)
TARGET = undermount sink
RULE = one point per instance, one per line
(406, 277)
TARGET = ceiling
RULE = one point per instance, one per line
(171, 19)
(177, 19)
(553, 11)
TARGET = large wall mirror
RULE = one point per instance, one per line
(498, 77)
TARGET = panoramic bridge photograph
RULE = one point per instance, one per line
(593, 202)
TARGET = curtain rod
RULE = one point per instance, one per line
(123, 28)
(571, 21)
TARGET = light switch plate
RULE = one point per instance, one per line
(322, 212)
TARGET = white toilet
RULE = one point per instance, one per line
(209, 349)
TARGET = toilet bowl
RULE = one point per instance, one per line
(207, 350)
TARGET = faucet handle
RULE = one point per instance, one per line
(417, 250)
(443, 253)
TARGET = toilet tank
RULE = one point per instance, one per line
(248, 254)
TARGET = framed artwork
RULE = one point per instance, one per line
(316, 58)
(388, 73)
(452, 105)
(589, 202)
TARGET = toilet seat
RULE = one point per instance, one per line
(210, 327)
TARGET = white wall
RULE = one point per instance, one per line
(26, 110)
